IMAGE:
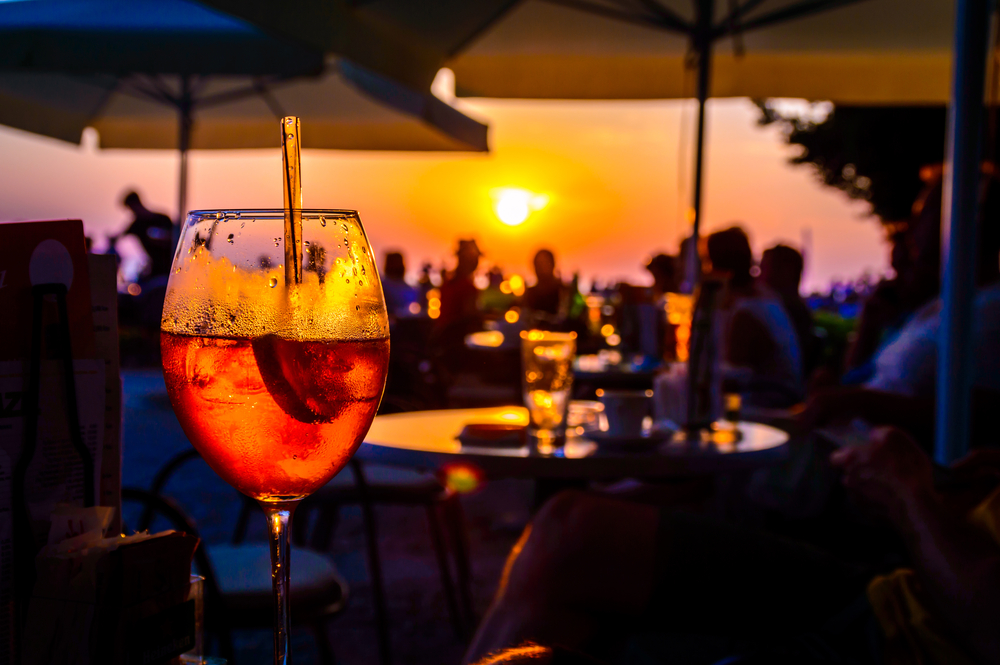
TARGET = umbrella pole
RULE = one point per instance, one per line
(703, 52)
(959, 227)
(698, 366)
(183, 143)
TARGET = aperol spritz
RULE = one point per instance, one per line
(274, 373)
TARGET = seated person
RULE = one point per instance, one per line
(756, 331)
(545, 297)
(589, 571)
(459, 294)
(663, 268)
(885, 310)
(781, 271)
(399, 296)
(902, 386)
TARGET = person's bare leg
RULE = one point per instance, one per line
(583, 561)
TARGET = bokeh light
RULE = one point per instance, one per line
(462, 478)
(516, 285)
(434, 303)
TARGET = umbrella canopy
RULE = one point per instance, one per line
(344, 108)
(147, 36)
(175, 74)
(375, 40)
(848, 51)
(872, 51)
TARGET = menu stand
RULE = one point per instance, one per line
(24, 545)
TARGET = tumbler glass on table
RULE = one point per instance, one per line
(275, 372)
(547, 359)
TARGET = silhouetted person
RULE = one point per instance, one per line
(154, 230)
(901, 385)
(781, 270)
(899, 304)
(663, 269)
(757, 332)
(545, 296)
(316, 260)
(424, 283)
(459, 295)
(916, 259)
(886, 309)
(399, 295)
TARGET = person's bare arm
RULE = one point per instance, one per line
(913, 414)
(958, 566)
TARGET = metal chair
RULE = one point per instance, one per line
(371, 485)
(238, 579)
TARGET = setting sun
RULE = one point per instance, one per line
(513, 206)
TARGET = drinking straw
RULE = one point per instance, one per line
(291, 159)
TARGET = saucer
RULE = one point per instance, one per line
(647, 439)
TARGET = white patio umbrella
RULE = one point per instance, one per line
(174, 74)
(344, 108)
(847, 51)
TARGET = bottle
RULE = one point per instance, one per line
(577, 303)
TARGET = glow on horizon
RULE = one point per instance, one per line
(618, 174)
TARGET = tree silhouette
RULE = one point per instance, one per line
(869, 153)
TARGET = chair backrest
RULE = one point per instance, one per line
(167, 470)
(157, 506)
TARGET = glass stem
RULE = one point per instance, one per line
(279, 517)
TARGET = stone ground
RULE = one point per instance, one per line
(421, 630)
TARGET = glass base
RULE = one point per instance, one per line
(719, 433)
(547, 441)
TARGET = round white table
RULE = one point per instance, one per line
(428, 440)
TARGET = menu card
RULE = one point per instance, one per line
(34, 253)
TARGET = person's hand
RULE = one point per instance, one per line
(841, 403)
(888, 474)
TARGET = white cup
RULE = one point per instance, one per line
(624, 411)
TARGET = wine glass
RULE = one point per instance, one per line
(275, 379)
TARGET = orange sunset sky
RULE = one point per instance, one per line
(617, 176)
